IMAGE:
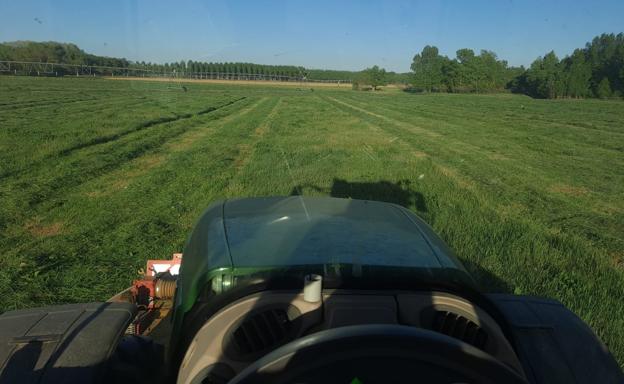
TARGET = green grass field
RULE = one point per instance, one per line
(96, 176)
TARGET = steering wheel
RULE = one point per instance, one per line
(378, 354)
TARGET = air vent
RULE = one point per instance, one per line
(262, 331)
(459, 327)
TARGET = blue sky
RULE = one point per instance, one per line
(314, 33)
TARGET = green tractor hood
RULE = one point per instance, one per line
(352, 243)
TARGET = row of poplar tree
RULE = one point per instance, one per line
(196, 67)
(247, 69)
(65, 53)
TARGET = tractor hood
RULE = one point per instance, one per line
(351, 243)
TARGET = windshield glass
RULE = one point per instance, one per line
(299, 231)
(499, 124)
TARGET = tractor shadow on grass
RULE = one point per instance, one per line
(398, 192)
(487, 281)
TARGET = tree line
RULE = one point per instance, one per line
(53, 52)
(594, 71)
(61, 53)
(467, 72)
(597, 70)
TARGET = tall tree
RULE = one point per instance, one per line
(452, 75)
(578, 75)
(543, 76)
(603, 90)
(427, 68)
(374, 77)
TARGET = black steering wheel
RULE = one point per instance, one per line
(378, 354)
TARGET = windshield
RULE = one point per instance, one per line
(499, 124)
(299, 231)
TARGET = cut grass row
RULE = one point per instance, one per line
(71, 127)
(49, 179)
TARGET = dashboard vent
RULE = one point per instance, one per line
(262, 331)
(459, 327)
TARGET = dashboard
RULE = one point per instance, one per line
(253, 326)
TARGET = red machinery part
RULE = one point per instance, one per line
(147, 289)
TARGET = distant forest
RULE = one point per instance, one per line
(594, 71)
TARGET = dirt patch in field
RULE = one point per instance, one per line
(497, 156)
(512, 209)
(148, 162)
(240, 82)
(187, 140)
(244, 151)
(453, 175)
(606, 208)
(123, 178)
(140, 167)
(569, 190)
(419, 154)
(37, 229)
(618, 259)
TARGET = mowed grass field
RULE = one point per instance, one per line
(96, 176)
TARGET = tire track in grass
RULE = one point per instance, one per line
(455, 117)
(546, 155)
(95, 105)
(177, 192)
(376, 129)
(509, 173)
(443, 168)
(40, 103)
(37, 193)
(117, 180)
(114, 137)
(39, 131)
(447, 171)
(460, 150)
(246, 151)
(191, 137)
(417, 153)
(144, 125)
(89, 111)
(190, 145)
(122, 178)
(90, 102)
(387, 119)
(395, 137)
(454, 174)
(411, 127)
